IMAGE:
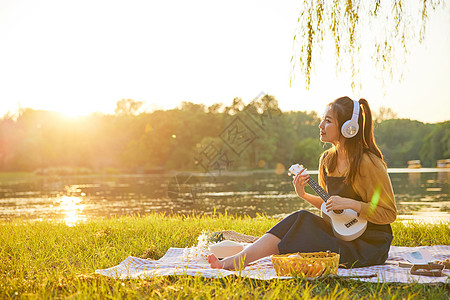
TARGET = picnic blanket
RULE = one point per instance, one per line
(172, 263)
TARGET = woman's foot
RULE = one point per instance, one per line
(214, 262)
(264, 246)
(227, 263)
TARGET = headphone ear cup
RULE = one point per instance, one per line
(350, 128)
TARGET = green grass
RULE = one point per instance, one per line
(52, 260)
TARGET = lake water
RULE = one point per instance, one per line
(420, 194)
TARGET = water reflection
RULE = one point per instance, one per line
(414, 179)
(77, 198)
(72, 209)
(443, 177)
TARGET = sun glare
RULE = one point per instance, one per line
(71, 112)
(72, 209)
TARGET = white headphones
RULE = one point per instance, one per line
(350, 128)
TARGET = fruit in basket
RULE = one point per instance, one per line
(317, 269)
(309, 265)
(296, 255)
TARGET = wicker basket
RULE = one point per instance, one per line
(238, 237)
(232, 236)
(310, 265)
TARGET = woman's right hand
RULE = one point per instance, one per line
(299, 183)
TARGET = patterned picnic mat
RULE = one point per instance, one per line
(172, 264)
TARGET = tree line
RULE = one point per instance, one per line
(194, 137)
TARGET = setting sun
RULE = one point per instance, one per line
(136, 135)
(74, 112)
(151, 52)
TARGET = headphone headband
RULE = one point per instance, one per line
(355, 108)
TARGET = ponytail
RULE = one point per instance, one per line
(362, 142)
(368, 138)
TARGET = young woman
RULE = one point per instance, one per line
(354, 173)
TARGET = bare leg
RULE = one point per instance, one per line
(264, 246)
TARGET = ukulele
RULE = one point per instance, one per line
(346, 224)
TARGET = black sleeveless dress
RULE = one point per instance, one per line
(303, 231)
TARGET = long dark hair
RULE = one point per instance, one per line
(355, 147)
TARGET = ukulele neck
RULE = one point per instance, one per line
(318, 189)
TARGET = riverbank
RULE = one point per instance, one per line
(52, 260)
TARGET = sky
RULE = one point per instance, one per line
(79, 57)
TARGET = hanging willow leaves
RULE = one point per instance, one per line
(384, 29)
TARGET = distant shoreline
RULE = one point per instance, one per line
(13, 174)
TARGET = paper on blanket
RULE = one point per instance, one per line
(419, 257)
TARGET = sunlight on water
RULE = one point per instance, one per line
(72, 208)
(421, 194)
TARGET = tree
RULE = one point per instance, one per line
(127, 107)
(192, 107)
(401, 140)
(215, 108)
(236, 106)
(308, 152)
(393, 26)
(436, 145)
(384, 113)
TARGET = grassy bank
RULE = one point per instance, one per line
(52, 260)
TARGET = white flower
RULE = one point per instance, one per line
(200, 252)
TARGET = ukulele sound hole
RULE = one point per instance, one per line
(338, 211)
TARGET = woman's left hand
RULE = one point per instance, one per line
(337, 203)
